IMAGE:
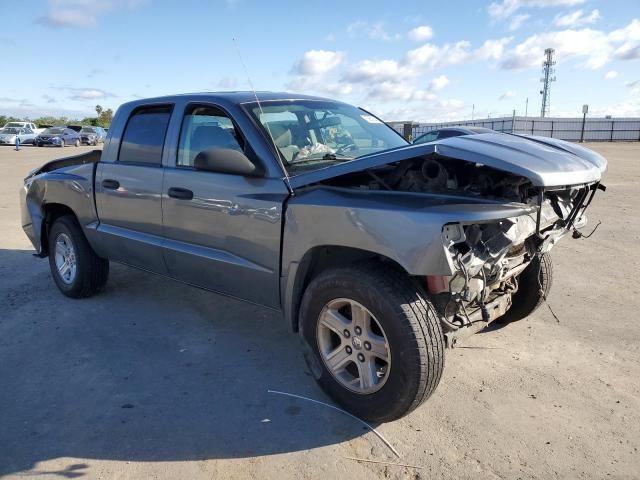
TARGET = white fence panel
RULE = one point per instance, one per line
(571, 129)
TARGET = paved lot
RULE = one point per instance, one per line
(156, 379)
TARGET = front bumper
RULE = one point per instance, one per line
(48, 141)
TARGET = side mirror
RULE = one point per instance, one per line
(227, 160)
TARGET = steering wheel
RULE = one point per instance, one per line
(346, 148)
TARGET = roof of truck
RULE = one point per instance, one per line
(237, 96)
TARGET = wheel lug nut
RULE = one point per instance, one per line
(349, 350)
(358, 330)
(361, 357)
(346, 333)
(367, 346)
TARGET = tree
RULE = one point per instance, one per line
(105, 118)
(6, 119)
(99, 110)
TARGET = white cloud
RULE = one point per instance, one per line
(313, 72)
(629, 36)
(595, 47)
(610, 75)
(492, 49)
(81, 13)
(431, 56)
(434, 110)
(590, 44)
(81, 94)
(387, 92)
(505, 95)
(634, 86)
(319, 62)
(506, 8)
(319, 85)
(375, 31)
(517, 21)
(576, 19)
(421, 33)
(438, 83)
(376, 71)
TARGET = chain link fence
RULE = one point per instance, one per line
(571, 129)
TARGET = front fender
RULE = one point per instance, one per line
(404, 227)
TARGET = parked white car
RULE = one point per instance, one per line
(8, 135)
(29, 125)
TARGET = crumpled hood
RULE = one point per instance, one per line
(546, 162)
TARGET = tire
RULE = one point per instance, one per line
(408, 322)
(531, 293)
(77, 143)
(91, 272)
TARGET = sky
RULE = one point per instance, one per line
(409, 60)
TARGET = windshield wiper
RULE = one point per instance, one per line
(339, 158)
(332, 157)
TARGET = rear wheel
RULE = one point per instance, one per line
(76, 269)
(534, 285)
(372, 341)
(77, 143)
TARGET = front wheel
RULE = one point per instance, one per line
(77, 143)
(372, 341)
(76, 269)
(534, 285)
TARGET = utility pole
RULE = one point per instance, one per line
(548, 77)
(526, 107)
(473, 110)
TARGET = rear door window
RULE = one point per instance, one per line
(143, 138)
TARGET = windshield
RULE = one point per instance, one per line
(313, 134)
(10, 131)
(88, 130)
(53, 131)
(14, 124)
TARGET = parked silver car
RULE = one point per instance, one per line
(379, 253)
(8, 135)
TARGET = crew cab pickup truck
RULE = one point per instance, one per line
(378, 253)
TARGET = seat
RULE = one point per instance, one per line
(283, 139)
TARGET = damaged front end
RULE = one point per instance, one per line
(462, 182)
(487, 259)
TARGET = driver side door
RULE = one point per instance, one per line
(221, 231)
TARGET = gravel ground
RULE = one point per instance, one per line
(157, 379)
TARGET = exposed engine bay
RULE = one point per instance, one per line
(486, 258)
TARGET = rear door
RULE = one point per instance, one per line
(128, 191)
(222, 232)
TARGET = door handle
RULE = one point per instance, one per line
(111, 184)
(180, 193)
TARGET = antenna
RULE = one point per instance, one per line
(547, 71)
(266, 124)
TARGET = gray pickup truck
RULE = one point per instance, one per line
(379, 253)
